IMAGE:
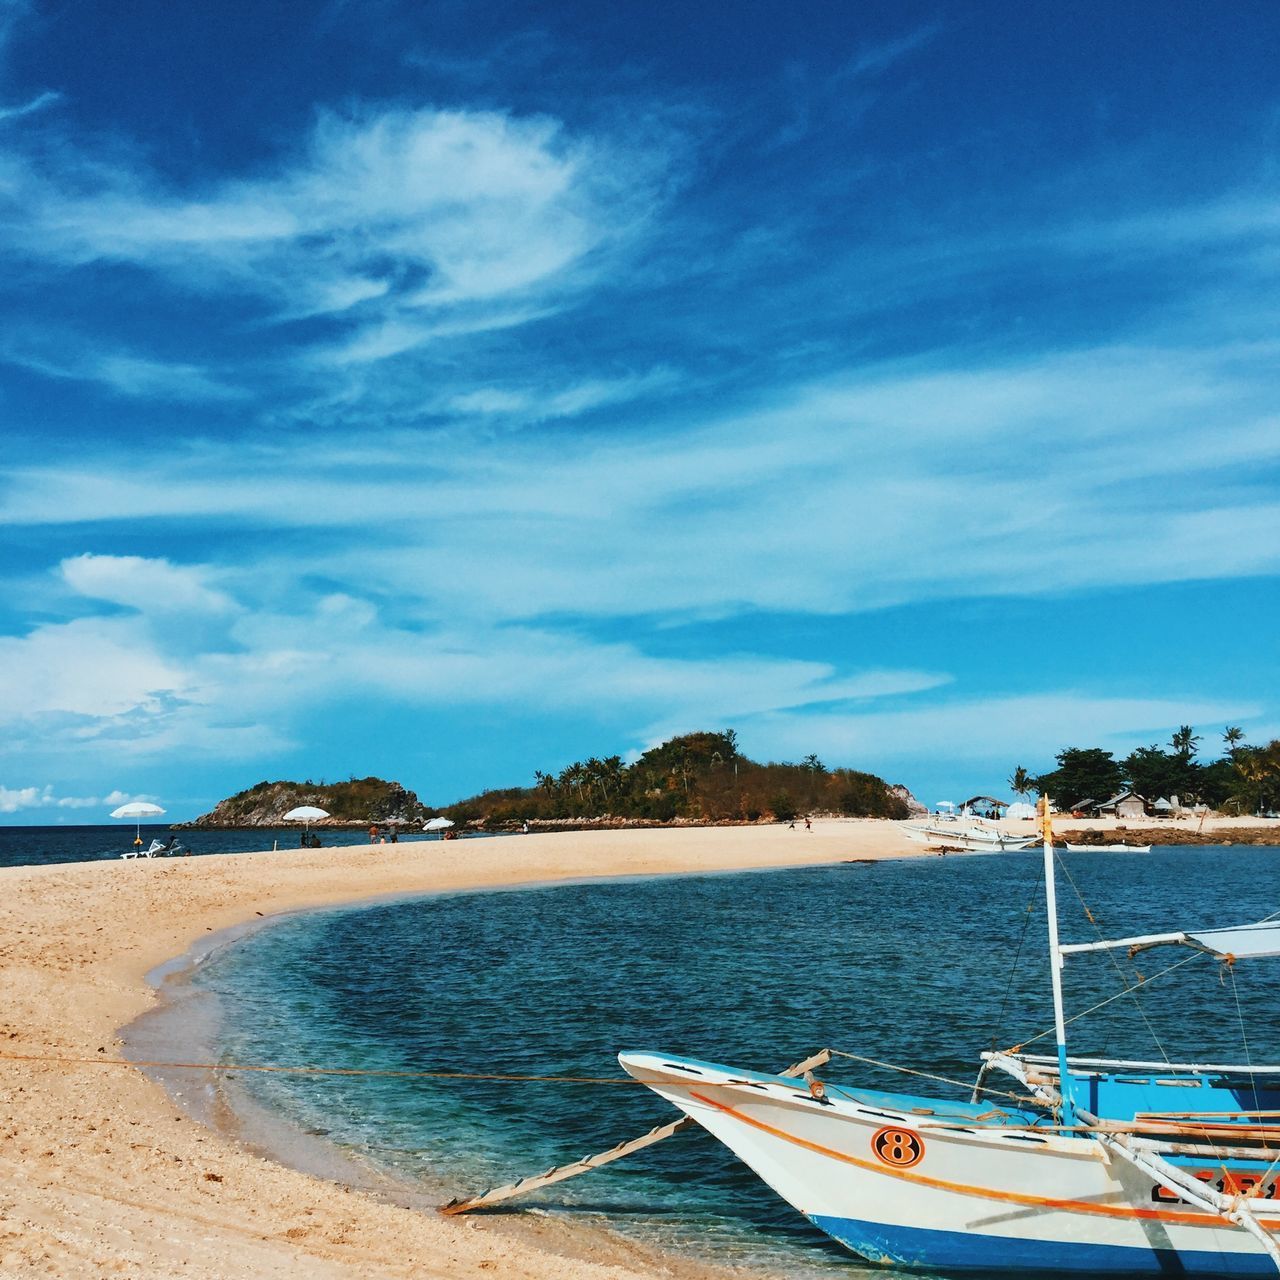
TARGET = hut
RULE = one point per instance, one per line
(984, 806)
(1128, 804)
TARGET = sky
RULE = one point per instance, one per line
(444, 391)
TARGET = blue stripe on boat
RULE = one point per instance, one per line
(968, 1251)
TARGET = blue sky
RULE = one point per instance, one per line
(448, 391)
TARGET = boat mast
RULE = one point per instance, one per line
(1055, 961)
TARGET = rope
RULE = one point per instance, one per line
(382, 1073)
(1256, 1189)
(924, 1075)
(1124, 981)
(1244, 1036)
(1119, 995)
(392, 1074)
(1017, 955)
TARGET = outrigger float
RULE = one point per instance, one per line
(1104, 1167)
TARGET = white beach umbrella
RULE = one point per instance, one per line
(136, 810)
(437, 824)
(306, 814)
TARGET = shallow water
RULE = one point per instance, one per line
(911, 960)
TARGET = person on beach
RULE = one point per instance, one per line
(808, 826)
(373, 834)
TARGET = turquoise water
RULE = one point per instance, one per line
(910, 961)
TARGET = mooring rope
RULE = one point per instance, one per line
(485, 1077)
(492, 1077)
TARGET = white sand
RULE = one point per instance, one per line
(102, 1175)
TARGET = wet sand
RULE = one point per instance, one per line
(103, 1174)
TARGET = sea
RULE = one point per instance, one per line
(924, 961)
(36, 846)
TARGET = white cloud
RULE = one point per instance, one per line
(1005, 731)
(149, 585)
(1076, 471)
(119, 685)
(90, 667)
(382, 216)
(11, 801)
(18, 799)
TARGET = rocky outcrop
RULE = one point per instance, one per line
(915, 808)
(356, 801)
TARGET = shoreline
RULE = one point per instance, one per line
(104, 1172)
(186, 1023)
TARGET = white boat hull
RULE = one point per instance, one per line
(969, 839)
(898, 1189)
(1108, 848)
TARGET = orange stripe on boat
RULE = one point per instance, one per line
(981, 1193)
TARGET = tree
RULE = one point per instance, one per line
(1232, 736)
(1258, 771)
(1083, 773)
(784, 808)
(1021, 783)
(1185, 741)
(1153, 772)
(813, 764)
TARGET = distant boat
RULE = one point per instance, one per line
(1093, 1166)
(958, 835)
(1108, 848)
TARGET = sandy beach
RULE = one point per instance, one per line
(101, 1174)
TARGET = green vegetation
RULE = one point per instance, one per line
(356, 800)
(699, 777)
(1243, 779)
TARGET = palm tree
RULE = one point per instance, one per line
(1021, 783)
(1233, 736)
(1185, 741)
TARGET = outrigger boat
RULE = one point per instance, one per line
(1099, 1166)
(1108, 848)
(953, 834)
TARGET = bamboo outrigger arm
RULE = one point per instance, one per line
(1138, 1152)
(560, 1172)
(1234, 1209)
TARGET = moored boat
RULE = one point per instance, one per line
(958, 835)
(1108, 848)
(1106, 1167)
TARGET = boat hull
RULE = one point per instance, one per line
(969, 840)
(923, 1183)
(1108, 848)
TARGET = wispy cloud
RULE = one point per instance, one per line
(990, 733)
(67, 355)
(1068, 472)
(39, 103)
(841, 97)
(389, 219)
